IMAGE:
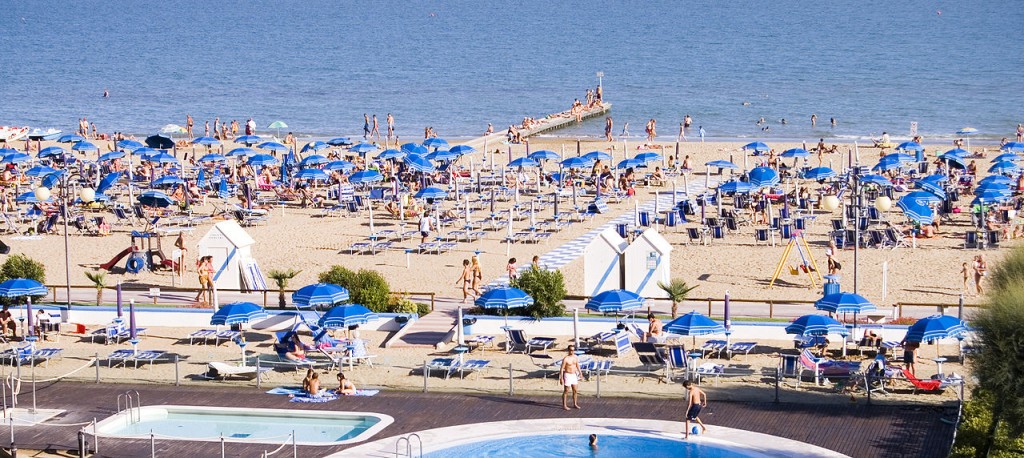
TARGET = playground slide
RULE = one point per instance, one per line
(116, 259)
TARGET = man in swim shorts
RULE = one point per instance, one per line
(569, 376)
(696, 400)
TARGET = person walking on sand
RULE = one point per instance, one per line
(391, 126)
(189, 124)
(625, 130)
(376, 128)
(426, 225)
(682, 132)
(465, 280)
(569, 376)
(980, 270)
(478, 275)
(696, 400)
(608, 128)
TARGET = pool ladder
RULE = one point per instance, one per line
(132, 406)
(408, 445)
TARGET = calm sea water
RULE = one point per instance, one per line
(457, 65)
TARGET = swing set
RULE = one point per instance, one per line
(806, 265)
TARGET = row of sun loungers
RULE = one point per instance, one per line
(28, 355)
(205, 335)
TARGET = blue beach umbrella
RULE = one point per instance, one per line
(84, 146)
(722, 164)
(319, 294)
(630, 163)
(342, 166)
(363, 148)
(163, 158)
(167, 180)
(998, 179)
(391, 154)
(213, 157)
(815, 325)
(795, 153)
(462, 149)
(740, 187)
(339, 141)
(70, 138)
(346, 315)
(758, 147)
(110, 156)
(763, 176)
(315, 146)
(205, 141)
(899, 157)
(909, 146)
(1011, 157)
(999, 188)
(922, 197)
(957, 152)
(935, 327)
(598, 156)
(990, 197)
(614, 301)
(155, 199)
(17, 287)
(577, 162)
(55, 151)
(30, 198)
(819, 173)
(16, 158)
(242, 152)
(39, 170)
(523, 162)
(237, 312)
(365, 176)
(419, 163)
(1013, 146)
(53, 178)
(312, 174)
(932, 187)
(503, 297)
(442, 155)
(884, 165)
(431, 192)
(146, 151)
(435, 142)
(916, 210)
(5, 151)
(1004, 167)
(648, 157)
(876, 180)
(844, 303)
(694, 324)
(107, 182)
(249, 140)
(314, 159)
(262, 160)
(544, 155)
(272, 146)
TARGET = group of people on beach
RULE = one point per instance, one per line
(220, 131)
(311, 385)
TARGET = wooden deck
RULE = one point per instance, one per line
(855, 430)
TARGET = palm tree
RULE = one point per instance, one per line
(677, 291)
(281, 278)
(99, 280)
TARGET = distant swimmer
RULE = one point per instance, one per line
(106, 94)
(782, 121)
(814, 119)
(687, 121)
(833, 121)
(746, 103)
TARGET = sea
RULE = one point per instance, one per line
(934, 67)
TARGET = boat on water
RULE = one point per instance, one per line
(44, 135)
(11, 133)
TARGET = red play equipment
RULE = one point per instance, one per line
(152, 257)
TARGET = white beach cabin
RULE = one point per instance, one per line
(233, 264)
(647, 262)
(602, 263)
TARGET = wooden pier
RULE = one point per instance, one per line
(545, 125)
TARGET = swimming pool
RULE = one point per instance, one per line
(578, 446)
(270, 426)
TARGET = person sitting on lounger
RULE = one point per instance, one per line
(296, 349)
(7, 322)
(871, 339)
(345, 386)
(654, 331)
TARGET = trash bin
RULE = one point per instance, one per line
(467, 326)
(831, 285)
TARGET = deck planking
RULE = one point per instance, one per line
(855, 430)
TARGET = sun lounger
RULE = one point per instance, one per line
(124, 356)
(741, 347)
(471, 365)
(822, 367)
(709, 370)
(479, 342)
(28, 354)
(203, 334)
(226, 335)
(219, 370)
(712, 346)
(444, 365)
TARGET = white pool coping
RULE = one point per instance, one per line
(104, 427)
(755, 444)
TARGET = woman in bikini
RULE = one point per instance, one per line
(477, 276)
(465, 280)
(205, 268)
(345, 386)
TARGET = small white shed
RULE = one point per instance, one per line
(602, 262)
(233, 264)
(647, 262)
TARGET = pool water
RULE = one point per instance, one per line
(577, 445)
(246, 425)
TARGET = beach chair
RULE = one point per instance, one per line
(220, 371)
(645, 219)
(823, 368)
(470, 366)
(357, 354)
(708, 370)
(677, 361)
(928, 386)
(878, 374)
(226, 335)
(789, 366)
(111, 332)
(596, 367)
(712, 346)
(443, 365)
(970, 240)
(763, 235)
(622, 344)
(741, 347)
(203, 334)
(895, 238)
(672, 220)
(694, 236)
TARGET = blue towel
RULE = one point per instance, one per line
(289, 390)
(298, 393)
(314, 399)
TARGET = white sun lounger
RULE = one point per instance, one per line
(220, 370)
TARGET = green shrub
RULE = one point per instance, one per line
(401, 304)
(21, 266)
(422, 309)
(974, 427)
(366, 287)
(1009, 270)
(547, 287)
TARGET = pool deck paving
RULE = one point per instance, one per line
(855, 430)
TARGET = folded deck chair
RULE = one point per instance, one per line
(622, 344)
(219, 370)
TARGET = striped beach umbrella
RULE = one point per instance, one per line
(342, 166)
(741, 187)
(319, 294)
(312, 174)
(418, 163)
(916, 210)
(815, 325)
(758, 147)
(504, 297)
(763, 176)
(694, 324)
(414, 148)
(16, 287)
(935, 327)
(431, 192)
(615, 300)
(249, 140)
(795, 153)
(205, 141)
(262, 160)
(844, 303)
(345, 315)
(365, 176)
(237, 312)
(435, 142)
(543, 155)
(391, 154)
(523, 162)
(819, 173)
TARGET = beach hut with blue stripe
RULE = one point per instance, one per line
(602, 263)
(647, 262)
(233, 262)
